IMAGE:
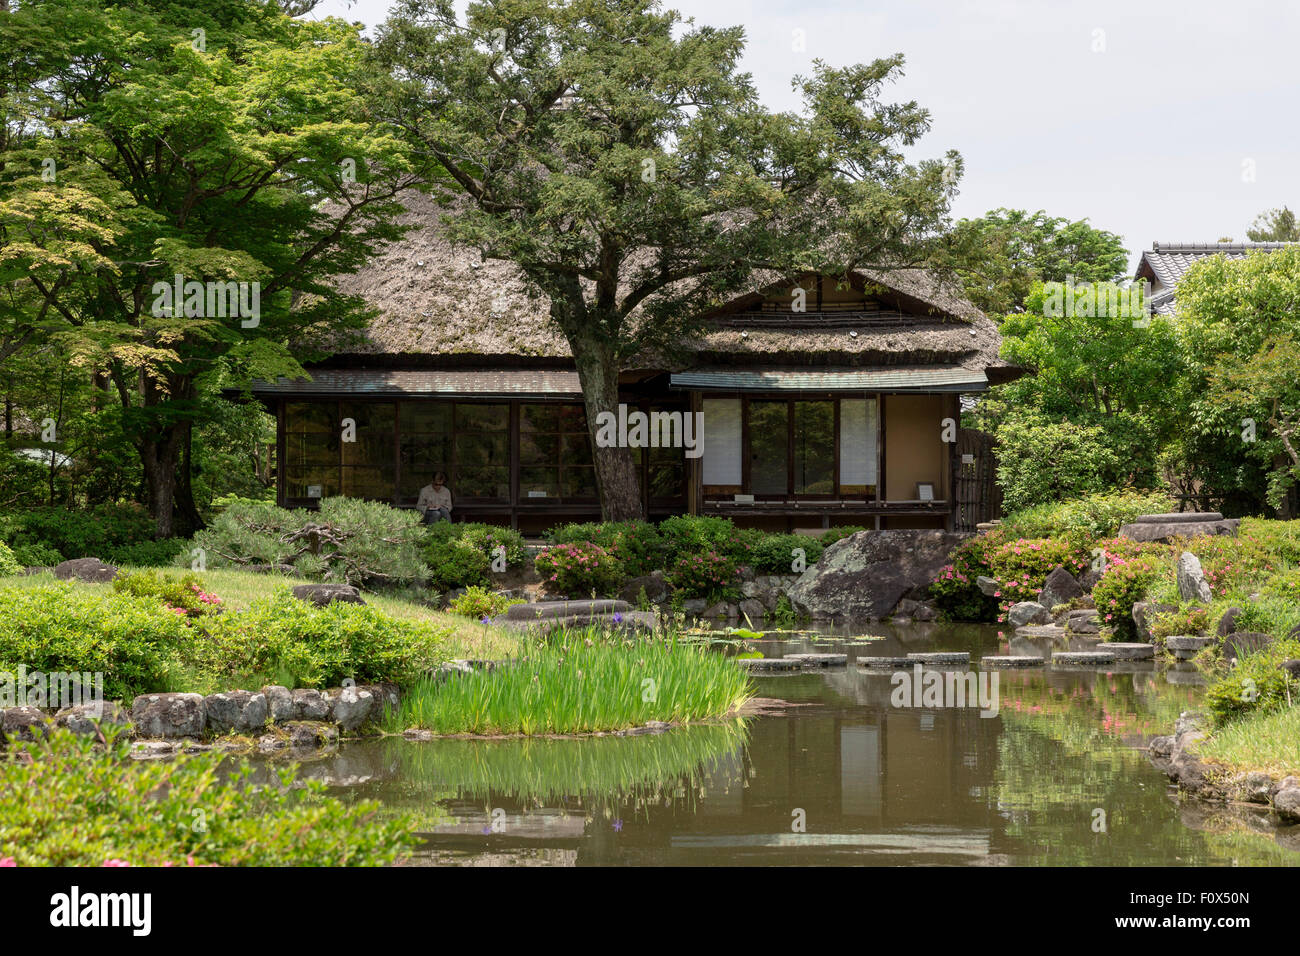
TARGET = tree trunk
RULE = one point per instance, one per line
(186, 517)
(617, 475)
(159, 460)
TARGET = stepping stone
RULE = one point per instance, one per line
(1131, 652)
(1041, 630)
(1185, 647)
(1012, 660)
(885, 663)
(819, 660)
(941, 657)
(769, 664)
(1083, 657)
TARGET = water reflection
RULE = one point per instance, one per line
(870, 783)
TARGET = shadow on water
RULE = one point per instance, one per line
(835, 775)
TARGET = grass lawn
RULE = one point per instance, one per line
(238, 589)
(1268, 742)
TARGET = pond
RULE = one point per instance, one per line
(834, 775)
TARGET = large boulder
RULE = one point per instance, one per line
(238, 712)
(1059, 588)
(1023, 613)
(90, 570)
(1187, 524)
(23, 723)
(169, 715)
(1228, 623)
(655, 587)
(865, 575)
(323, 594)
(310, 704)
(1244, 642)
(1192, 585)
(353, 707)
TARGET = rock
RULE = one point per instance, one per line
(86, 719)
(1186, 646)
(753, 610)
(656, 588)
(1257, 787)
(1059, 588)
(1162, 746)
(1088, 579)
(1228, 623)
(90, 570)
(237, 711)
(543, 610)
(23, 724)
(323, 594)
(1288, 801)
(1011, 660)
(694, 605)
(304, 734)
(940, 657)
(279, 703)
(1244, 642)
(865, 575)
(1166, 527)
(1145, 613)
(988, 586)
(388, 697)
(1125, 651)
(310, 704)
(1083, 621)
(1192, 585)
(924, 612)
(1291, 666)
(1027, 612)
(722, 610)
(1083, 657)
(1189, 720)
(352, 707)
(169, 715)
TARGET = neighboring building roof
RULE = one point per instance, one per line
(1165, 264)
(831, 380)
(440, 302)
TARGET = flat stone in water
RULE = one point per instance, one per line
(1187, 643)
(885, 663)
(941, 657)
(819, 660)
(1040, 630)
(769, 664)
(1131, 652)
(1083, 657)
(1010, 660)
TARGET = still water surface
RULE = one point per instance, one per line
(1057, 777)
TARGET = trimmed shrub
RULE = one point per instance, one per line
(1020, 566)
(956, 597)
(774, 553)
(1092, 516)
(460, 555)
(283, 640)
(709, 575)
(133, 641)
(1125, 582)
(479, 603)
(185, 596)
(700, 534)
(347, 539)
(457, 565)
(78, 534)
(76, 803)
(637, 545)
(488, 538)
(579, 570)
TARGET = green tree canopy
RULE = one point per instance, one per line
(1275, 225)
(621, 158)
(202, 140)
(1011, 249)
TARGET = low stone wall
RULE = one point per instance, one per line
(160, 723)
(1175, 756)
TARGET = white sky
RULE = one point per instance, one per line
(1154, 136)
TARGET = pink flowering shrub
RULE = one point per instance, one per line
(708, 575)
(1020, 566)
(185, 596)
(578, 570)
(1124, 582)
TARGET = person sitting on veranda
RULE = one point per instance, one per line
(435, 500)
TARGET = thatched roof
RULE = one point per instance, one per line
(438, 300)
